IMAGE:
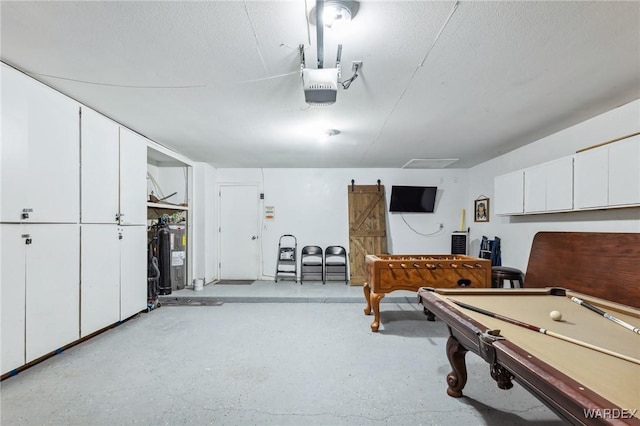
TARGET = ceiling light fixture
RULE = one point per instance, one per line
(324, 137)
(336, 12)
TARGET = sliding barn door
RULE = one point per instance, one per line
(367, 227)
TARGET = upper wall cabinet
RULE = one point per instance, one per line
(605, 176)
(100, 168)
(39, 177)
(548, 187)
(114, 172)
(608, 175)
(509, 193)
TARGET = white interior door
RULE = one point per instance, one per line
(239, 232)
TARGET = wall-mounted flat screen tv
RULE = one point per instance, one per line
(413, 199)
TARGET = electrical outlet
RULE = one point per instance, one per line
(356, 66)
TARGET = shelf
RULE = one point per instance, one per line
(164, 206)
(158, 209)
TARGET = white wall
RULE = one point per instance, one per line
(203, 211)
(517, 232)
(170, 180)
(312, 205)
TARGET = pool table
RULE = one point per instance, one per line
(582, 385)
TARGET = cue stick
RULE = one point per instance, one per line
(547, 332)
(606, 315)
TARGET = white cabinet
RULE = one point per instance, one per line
(624, 172)
(548, 187)
(52, 288)
(40, 290)
(99, 277)
(509, 193)
(133, 270)
(114, 217)
(133, 178)
(591, 178)
(100, 164)
(12, 294)
(61, 166)
(114, 168)
(609, 175)
(113, 275)
(603, 177)
(39, 174)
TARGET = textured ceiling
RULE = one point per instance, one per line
(219, 81)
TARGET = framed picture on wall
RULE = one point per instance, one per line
(481, 210)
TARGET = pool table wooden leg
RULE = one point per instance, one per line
(375, 304)
(430, 315)
(367, 292)
(501, 376)
(457, 378)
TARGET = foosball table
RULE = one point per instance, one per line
(390, 272)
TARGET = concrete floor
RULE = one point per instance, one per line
(305, 355)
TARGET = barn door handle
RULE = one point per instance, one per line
(378, 185)
(353, 183)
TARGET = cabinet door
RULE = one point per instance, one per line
(559, 184)
(14, 148)
(43, 152)
(133, 270)
(535, 189)
(591, 178)
(624, 172)
(99, 277)
(509, 193)
(12, 296)
(100, 158)
(133, 178)
(52, 288)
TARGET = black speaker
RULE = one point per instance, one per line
(459, 243)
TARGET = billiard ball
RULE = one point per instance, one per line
(555, 315)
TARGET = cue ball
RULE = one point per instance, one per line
(555, 315)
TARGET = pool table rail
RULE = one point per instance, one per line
(507, 361)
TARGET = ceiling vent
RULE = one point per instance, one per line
(429, 163)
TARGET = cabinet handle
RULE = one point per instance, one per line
(25, 213)
(27, 239)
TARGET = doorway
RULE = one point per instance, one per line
(239, 227)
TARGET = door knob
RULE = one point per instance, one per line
(255, 237)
